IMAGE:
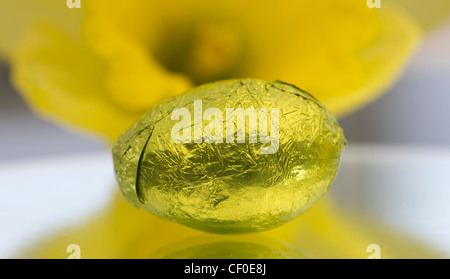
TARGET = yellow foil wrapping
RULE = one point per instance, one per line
(192, 161)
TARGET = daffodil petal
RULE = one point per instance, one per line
(17, 16)
(342, 52)
(61, 79)
(134, 80)
(384, 61)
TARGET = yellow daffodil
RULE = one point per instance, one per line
(126, 56)
(135, 54)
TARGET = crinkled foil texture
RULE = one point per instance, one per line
(231, 187)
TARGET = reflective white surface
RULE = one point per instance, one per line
(42, 195)
(406, 187)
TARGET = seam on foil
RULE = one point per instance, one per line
(141, 156)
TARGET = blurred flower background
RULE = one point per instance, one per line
(72, 80)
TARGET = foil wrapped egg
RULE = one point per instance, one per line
(232, 156)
